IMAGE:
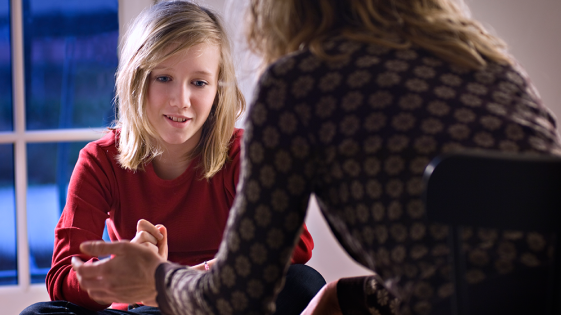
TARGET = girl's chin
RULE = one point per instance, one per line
(175, 141)
(178, 138)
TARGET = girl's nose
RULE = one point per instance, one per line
(182, 97)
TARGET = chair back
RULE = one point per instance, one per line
(495, 190)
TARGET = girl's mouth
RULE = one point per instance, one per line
(176, 119)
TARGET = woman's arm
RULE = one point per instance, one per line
(266, 220)
(303, 250)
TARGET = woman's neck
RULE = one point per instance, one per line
(172, 162)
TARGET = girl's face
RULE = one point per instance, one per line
(181, 91)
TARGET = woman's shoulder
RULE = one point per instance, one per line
(338, 54)
(299, 61)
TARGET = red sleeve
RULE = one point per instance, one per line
(83, 218)
(303, 250)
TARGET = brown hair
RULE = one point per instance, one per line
(277, 28)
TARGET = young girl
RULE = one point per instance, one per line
(173, 159)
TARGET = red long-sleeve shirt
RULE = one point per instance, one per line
(193, 210)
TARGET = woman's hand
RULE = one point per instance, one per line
(325, 302)
(154, 237)
(126, 277)
(151, 236)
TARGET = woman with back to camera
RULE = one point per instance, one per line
(173, 160)
(358, 97)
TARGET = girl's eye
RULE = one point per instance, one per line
(199, 83)
(163, 79)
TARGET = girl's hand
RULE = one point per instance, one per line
(201, 267)
(154, 237)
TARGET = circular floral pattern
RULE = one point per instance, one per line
(358, 132)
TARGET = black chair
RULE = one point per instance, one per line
(495, 190)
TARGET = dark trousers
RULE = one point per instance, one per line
(301, 285)
(67, 308)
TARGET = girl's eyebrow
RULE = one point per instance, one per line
(203, 72)
(200, 72)
(160, 68)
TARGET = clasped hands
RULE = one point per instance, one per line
(128, 276)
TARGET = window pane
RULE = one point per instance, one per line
(8, 253)
(6, 116)
(49, 168)
(70, 62)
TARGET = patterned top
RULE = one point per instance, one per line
(358, 133)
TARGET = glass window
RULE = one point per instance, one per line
(6, 114)
(8, 245)
(70, 62)
(49, 168)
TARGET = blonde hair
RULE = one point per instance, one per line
(277, 28)
(158, 33)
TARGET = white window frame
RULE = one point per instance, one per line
(14, 298)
